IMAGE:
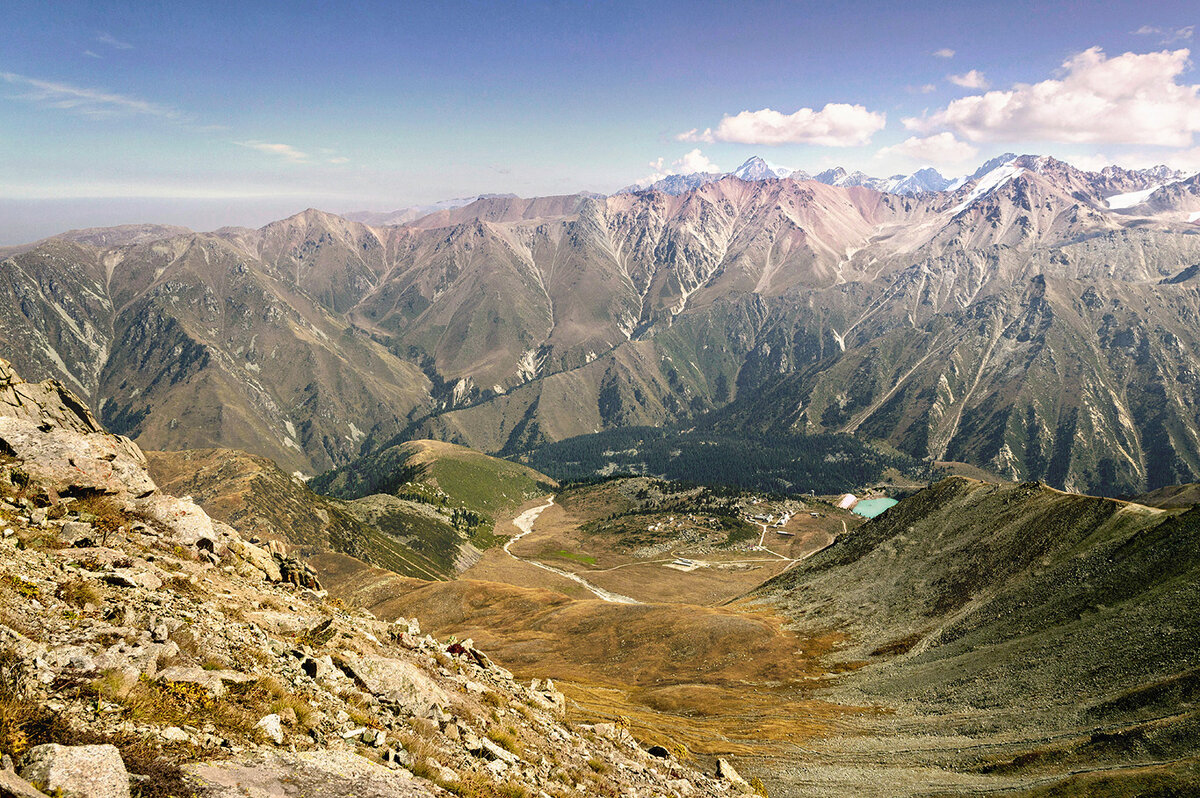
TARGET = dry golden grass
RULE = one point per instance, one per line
(506, 739)
(80, 592)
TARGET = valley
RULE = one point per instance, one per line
(600, 400)
(608, 440)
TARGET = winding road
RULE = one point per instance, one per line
(524, 522)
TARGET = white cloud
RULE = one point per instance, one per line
(1166, 35)
(1130, 99)
(972, 80)
(113, 42)
(285, 151)
(835, 125)
(695, 161)
(339, 159)
(945, 52)
(940, 149)
(695, 135)
(85, 101)
(928, 88)
(689, 163)
(90, 54)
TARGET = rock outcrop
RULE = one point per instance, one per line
(148, 650)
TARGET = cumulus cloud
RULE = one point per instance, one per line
(695, 161)
(1129, 99)
(971, 80)
(945, 52)
(689, 163)
(286, 151)
(835, 125)
(82, 100)
(939, 149)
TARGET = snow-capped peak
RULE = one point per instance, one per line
(989, 181)
(755, 168)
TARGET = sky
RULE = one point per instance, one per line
(214, 113)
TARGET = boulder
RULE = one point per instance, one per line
(260, 559)
(323, 772)
(271, 727)
(77, 534)
(70, 462)
(395, 680)
(174, 734)
(77, 771)
(13, 786)
(725, 771)
(213, 681)
(133, 577)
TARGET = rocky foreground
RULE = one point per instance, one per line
(147, 650)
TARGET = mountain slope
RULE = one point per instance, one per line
(1020, 632)
(942, 323)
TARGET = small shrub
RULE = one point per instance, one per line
(185, 587)
(80, 592)
(104, 514)
(760, 788)
(21, 586)
(598, 765)
(494, 699)
(506, 739)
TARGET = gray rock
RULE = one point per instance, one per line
(77, 771)
(133, 577)
(493, 751)
(271, 727)
(13, 785)
(213, 681)
(174, 734)
(397, 681)
(279, 773)
(68, 461)
(77, 533)
(726, 771)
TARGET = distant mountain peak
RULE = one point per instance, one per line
(756, 168)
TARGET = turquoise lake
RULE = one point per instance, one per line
(869, 508)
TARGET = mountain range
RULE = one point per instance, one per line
(1035, 319)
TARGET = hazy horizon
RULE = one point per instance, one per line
(186, 116)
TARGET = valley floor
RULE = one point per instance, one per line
(691, 661)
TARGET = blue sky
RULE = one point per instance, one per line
(239, 112)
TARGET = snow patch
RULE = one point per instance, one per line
(1194, 216)
(290, 428)
(1130, 199)
(987, 184)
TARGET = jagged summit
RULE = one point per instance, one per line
(509, 323)
(755, 168)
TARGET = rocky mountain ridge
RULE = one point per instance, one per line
(508, 323)
(149, 650)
